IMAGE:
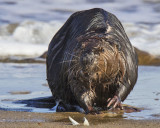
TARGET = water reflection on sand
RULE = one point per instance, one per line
(23, 87)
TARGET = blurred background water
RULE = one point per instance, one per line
(27, 26)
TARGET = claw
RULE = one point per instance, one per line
(108, 99)
(115, 102)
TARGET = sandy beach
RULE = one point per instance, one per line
(11, 119)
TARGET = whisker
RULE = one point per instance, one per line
(73, 67)
(103, 71)
(108, 55)
(71, 73)
(78, 71)
(72, 55)
(113, 49)
(111, 70)
(68, 61)
(105, 63)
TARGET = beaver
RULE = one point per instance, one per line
(91, 62)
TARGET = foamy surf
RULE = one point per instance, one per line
(31, 38)
(144, 36)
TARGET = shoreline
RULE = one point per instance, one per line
(12, 119)
(144, 59)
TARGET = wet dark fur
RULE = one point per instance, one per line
(91, 59)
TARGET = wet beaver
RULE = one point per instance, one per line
(91, 62)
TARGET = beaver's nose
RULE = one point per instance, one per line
(87, 59)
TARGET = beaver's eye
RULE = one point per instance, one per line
(102, 49)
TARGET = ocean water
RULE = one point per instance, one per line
(27, 26)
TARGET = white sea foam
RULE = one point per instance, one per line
(30, 38)
(21, 49)
(144, 37)
(35, 32)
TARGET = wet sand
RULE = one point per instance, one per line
(11, 119)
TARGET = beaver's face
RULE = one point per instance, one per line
(99, 61)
